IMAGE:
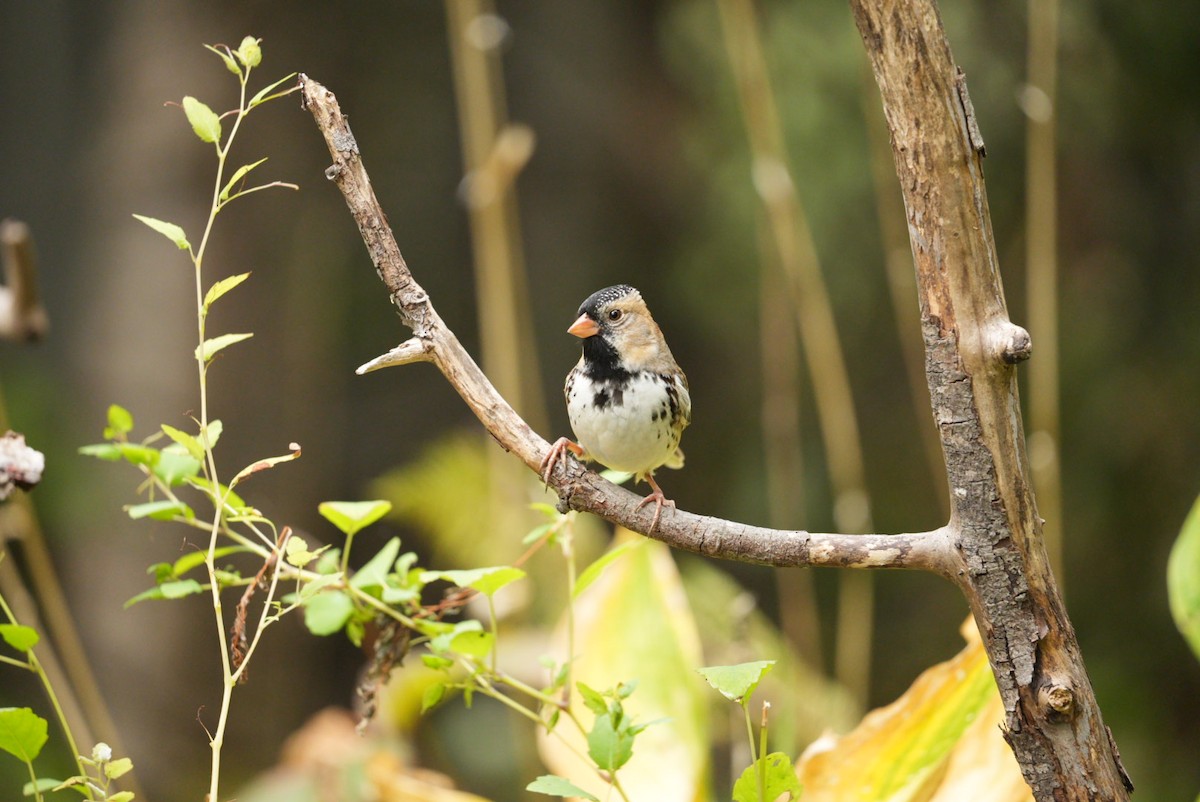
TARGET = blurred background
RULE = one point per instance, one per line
(641, 173)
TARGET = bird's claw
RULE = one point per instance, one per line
(659, 500)
(555, 454)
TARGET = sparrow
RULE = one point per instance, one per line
(627, 398)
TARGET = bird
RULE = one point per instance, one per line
(627, 398)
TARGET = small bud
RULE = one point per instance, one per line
(249, 53)
(101, 752)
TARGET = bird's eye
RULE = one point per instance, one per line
(614, 314)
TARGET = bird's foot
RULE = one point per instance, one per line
(555, 454)
(656, 496)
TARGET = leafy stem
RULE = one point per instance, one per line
(33, 664)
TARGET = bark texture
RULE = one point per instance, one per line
(1053, 722)
(578, 488)
(991, 547)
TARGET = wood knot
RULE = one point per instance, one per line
(1012, 343)
(1057, 702)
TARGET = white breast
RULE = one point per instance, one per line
(626, 425)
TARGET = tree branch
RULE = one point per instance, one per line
(578, 488)
(22, 316)
(1052, 722)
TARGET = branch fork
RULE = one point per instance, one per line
(577, 487)
(991, 548)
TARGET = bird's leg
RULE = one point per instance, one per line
(659, 502)
(555, 454)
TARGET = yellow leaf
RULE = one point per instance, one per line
(934, 737)
(634, 624)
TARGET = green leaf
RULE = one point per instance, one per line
(327, 612)
(610, 747)
(374, 573)
(248, 52)
(43, 784)
(298, 553)
(174, 465)
(204, 120)
(466, 638)
(180, 588)
(593, 571)
(233, 502)
(616, 477)
(175, 589)
(264, 94)
(120, 422)
(548, 510)
(436, 662)
(136, 454)
(432, 696)
(121, 796)
(105, 451)
(115, 768)
(165, 510)
(212, 433)
(186, 440)
(207, 349)
(592, 699)
(314, 586)
(736, 683)
(22, 733)
(19, 636)
(224, 285)
(780, 779)
(168, 230)
(238, 175)
(485, 580)
(230, 64)
(1183, 579)
(194, 559)
(536, 533)
(351, 516)
(431, 628)
(553, 785)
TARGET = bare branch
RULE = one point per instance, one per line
(1052, 720)
(578, 488)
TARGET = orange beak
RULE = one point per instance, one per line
(584, 327)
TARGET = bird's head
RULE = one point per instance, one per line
(615, 325)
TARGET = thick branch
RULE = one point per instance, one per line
(1052, 720)
(579, 489)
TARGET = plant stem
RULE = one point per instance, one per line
(37, 794)
(568, 541)
(218, 737)
(750, 731)
(35, 666)
(783, 216)
(761, 762)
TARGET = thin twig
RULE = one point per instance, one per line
(577, 487)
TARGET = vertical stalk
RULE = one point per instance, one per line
(1041, 260)
(796, 252)
(494, 151)
(782, 452)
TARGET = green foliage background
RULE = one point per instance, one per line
(639, 176)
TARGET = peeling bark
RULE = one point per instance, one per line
(1053, 722)
(991, 547)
